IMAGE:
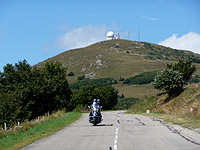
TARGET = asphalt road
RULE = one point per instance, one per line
(117, 131)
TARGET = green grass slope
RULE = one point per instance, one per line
(183, 110)
(185, 104)
(181, 105)
(115, 58)
(119, 58)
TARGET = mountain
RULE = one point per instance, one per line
(120, 58)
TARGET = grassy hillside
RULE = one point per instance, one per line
(120, 58)
(137, 91)
(177, 110)
(180, 105)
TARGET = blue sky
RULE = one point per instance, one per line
(38, 29)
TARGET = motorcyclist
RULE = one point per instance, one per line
(95, 102)
(91, 106)
(98, 102)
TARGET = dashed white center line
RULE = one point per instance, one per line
(115, 141)
(116, 131)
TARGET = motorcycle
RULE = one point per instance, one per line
(95, 115)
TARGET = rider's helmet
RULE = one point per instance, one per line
(98, 101)
(94, 100)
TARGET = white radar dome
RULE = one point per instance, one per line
(110, 35)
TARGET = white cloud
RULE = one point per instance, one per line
(83, 36)
(189, 41)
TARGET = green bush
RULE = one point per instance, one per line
(143, 78)
(85, 96)
(170, 81)
(81, 77)
(184, 67)
(71, 74)
(125, 103)
(194, 80)
(80, 108)
(174, 76)
(90, 82)
(121, 79)
(126, 81)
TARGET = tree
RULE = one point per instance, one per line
(170, 81)
(84, 96)
(121, 79)
(27, 92)
(81, 77)
(54, 90)
(71, 74)
(108, 96)
(126, 81)
(184, 67)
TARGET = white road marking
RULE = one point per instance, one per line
(115, 141)
(116, 131)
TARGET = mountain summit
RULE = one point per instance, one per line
(119, 58)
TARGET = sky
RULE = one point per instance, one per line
(36, 30)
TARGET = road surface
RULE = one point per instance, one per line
(118, 131)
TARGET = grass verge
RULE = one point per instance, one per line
(184, 121)
(175, 116)
(21, 139)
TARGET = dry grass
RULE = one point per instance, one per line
(136, 91)
(182, 104)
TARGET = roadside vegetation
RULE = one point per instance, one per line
(172, 79)
(181, 120)
(30, 132)
(143, 78)
(177, 102)
(28, 92)
(182, 110)
(84, 97)
(125, 103)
